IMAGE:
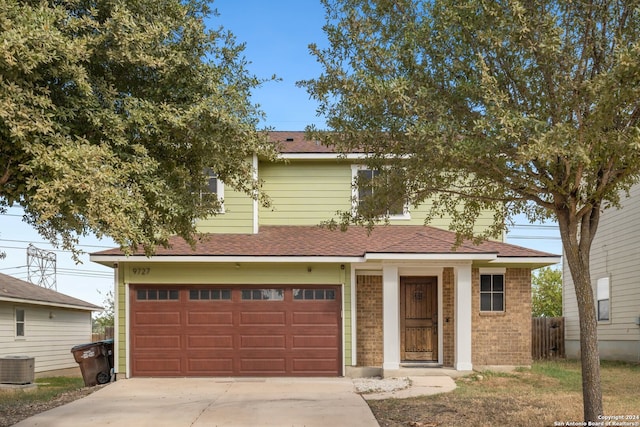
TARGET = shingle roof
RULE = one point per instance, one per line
(16, 289)
(288, 142)
(314, 241)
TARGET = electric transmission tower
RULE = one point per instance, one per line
(41, 267)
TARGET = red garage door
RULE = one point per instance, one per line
(218, 331)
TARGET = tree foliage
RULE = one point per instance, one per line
(546, 298)
(110, 111)
(105, 318)
(515, 107)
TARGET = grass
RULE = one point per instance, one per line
(548, 394)
(48, 389)
(17, 404)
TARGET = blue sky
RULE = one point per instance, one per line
(277, 34)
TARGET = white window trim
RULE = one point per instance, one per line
(493, 272)
(24, 323)
(219, 192)
(406, 215)
(603, 293)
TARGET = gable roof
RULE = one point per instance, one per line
(16, 290)
(274, 243)
(295, 142)
(294, 145)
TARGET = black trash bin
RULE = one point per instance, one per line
(94, 362)
(108, 348)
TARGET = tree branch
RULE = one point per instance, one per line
(7, 174)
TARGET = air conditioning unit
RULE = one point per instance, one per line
(17, 369)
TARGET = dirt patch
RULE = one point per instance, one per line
(458, 410)
(547, 395)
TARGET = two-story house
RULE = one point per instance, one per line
(614, 275)
(268, 292)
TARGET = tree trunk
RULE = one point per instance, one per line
(577, 247)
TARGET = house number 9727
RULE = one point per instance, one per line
(141, 271)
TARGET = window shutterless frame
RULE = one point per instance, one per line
(492, 292)
(20, 322)
(361, 174)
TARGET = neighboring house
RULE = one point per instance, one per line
(614, 274)
(42, 323)
(268, 292)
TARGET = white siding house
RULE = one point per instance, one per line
(615, 275)
(42, 323)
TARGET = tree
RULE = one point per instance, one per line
(516, 107)
(110, 111)
(546, 298)
(106, 318)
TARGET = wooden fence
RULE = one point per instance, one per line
(547, 338)
(104, 335)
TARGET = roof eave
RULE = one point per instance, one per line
(322, 156)
(50, 304)
(430, 256)
(109, 260)
(489, 258)
(529, 262)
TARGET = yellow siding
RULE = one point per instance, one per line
(237, 216)
(419, 214)
(305, 192)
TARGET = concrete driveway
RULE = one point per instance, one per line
(177, 402)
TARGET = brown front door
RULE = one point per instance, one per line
(419, 319)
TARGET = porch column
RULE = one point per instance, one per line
(463, 325)
(390, 318)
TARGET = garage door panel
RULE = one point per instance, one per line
(314, 365)
(157, 318)
(266, 366)
(262, 342)
(315, 342)
(316, 318)
(210, 366)
(191, 335)
(158, 342)
(209, 342)
(152, 366)
(210, 318)
(263, 318)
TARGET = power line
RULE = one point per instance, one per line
(48, 243)
(538, 226)
(11, 268)
(509, 236)
(82, 273)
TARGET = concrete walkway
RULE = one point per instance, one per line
(199, 402)
(420, 386)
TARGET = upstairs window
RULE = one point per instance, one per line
(602, 295)
(364, 190)
(214, 186)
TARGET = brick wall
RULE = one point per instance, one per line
(498, 338)
(503, 338)
(369, 320)
(448, 317)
